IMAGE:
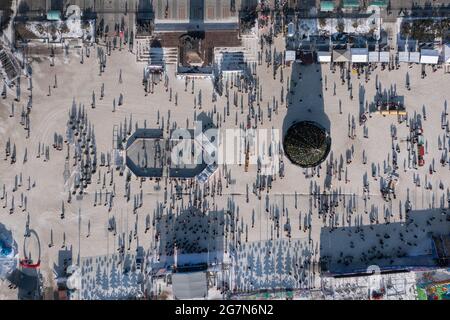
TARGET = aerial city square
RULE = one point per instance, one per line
(224, 149)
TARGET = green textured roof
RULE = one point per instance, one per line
(53, 15)
(380, 3)
(351, 3)
(327, 6)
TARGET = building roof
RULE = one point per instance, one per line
(341, 55)
(350, 4)
(53, 15)
(192, 26)
(210, 40)
(326, 6)
(189, 285)
(183, 11)
(147, 156)
(379, 3)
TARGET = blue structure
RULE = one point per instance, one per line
(53, 15)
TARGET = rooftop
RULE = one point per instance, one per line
(327, 6)
(191, 285)
(350, 4)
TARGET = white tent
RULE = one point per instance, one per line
(414, 57)
(341, 55)
(189, 285)
(447, 53)
(384, 56)
(374, 56)
(290, 55)
(403, 56)
(359, 55)
(429, 56)
(323, 56)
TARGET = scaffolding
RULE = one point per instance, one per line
(9, 66)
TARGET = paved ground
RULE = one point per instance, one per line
(289, 199)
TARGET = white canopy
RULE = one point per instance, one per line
(384, 56)
(290, 55)
(374, 56)
(403, 56)
(447, 53)
(414, 57)
(429, 56)
(189, 285)
(323, 56)
(360, 55)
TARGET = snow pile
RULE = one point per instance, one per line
(56, 31)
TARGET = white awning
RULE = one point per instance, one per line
(359, 55)
(290, 55)
(414, 57)
(374, 56)
(323, 56)
(429, 56)
(403, 56)
(384, 56)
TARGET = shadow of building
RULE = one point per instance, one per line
(191, 239)
(305, 97)
(391, 247)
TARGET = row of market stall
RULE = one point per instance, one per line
(354, 55)
(363, 55)
(424, 56)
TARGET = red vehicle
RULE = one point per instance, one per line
(421, 151)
